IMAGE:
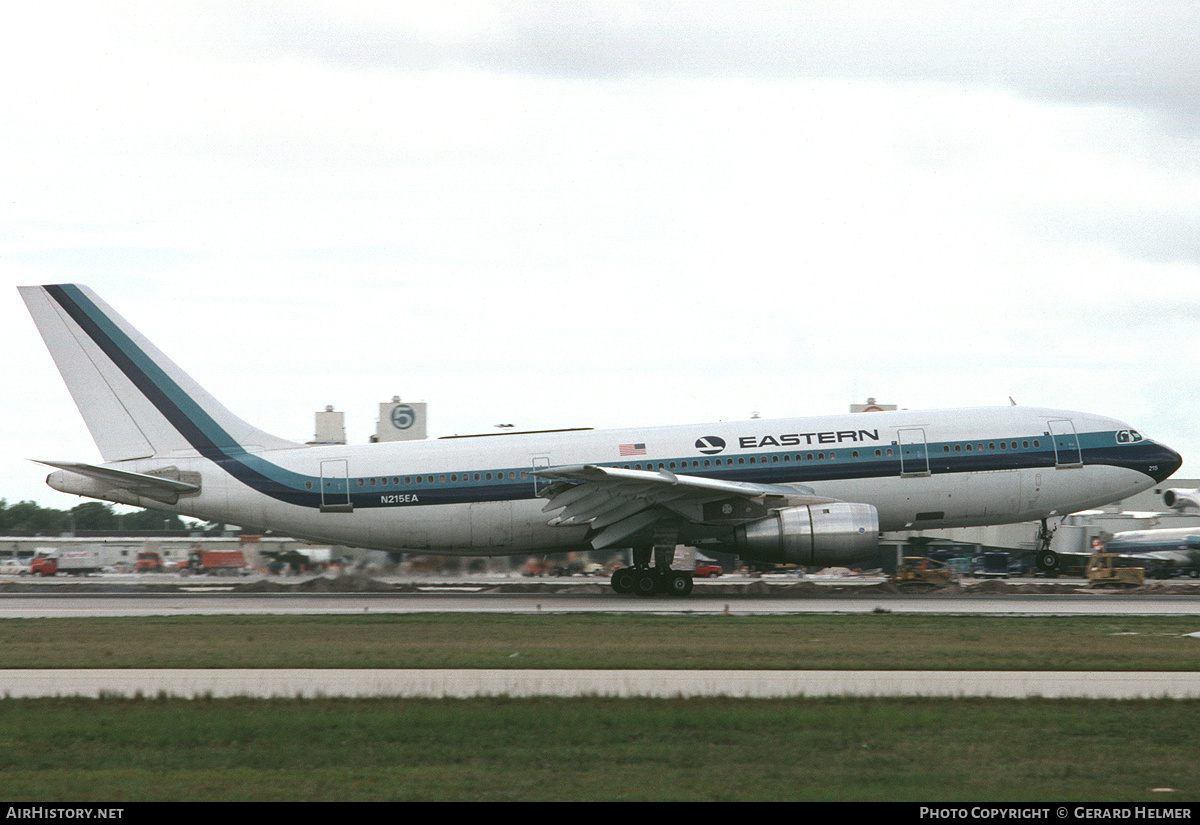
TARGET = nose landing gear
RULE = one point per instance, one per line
(1049, 562)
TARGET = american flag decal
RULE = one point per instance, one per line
(633, 449)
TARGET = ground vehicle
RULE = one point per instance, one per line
(1103, 572)
(707, 569)
(990, 566)
(78, 561)
(220, 562)
(148, 561)
(921, 571)
(13, 567)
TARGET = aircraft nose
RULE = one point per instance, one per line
(1162, 462)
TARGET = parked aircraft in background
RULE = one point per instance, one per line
(1166, 552)
(1182, 500)
(811, 491)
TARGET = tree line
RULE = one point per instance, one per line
(31, 517)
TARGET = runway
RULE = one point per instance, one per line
(52, 603)
(754, 684)
(56, 605)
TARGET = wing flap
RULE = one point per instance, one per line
(616, 502)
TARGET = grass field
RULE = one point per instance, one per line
(596, 749)
(115, 750)
(798, 642)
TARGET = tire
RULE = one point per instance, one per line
(1048, 562)
(678, 584)
(622, 580)
(645, 582)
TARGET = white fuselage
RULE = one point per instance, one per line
(476, 495)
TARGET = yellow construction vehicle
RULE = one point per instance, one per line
(921, 572)
(1102, 571)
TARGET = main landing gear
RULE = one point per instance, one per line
(1049, 562)
(650, 581)
(645, 580)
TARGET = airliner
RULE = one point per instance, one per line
(1163, 552)
(807, 491)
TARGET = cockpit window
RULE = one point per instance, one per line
(1129, 436)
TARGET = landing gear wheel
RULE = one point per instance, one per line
(645, 582)
(678, 584)
(622, 580)
(1048, 562)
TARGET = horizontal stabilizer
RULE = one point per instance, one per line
(151, 486)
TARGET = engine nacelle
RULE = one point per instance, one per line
(1178, 499)
(818, 534)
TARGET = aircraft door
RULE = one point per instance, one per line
(335, 486)
(914, 456)
(1066, 444)
(540, 462)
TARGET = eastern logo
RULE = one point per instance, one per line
(710, 444)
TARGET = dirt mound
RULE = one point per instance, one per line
(263, 586)
(342, 584)
(803, 588)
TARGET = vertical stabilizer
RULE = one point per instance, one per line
(136, 402)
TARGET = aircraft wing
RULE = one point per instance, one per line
(616, 503)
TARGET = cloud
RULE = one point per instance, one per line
(1133, 54)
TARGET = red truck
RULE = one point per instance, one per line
(148, 561)
(77, 561)
(220, 562)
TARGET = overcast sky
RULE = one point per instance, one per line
(609, 214)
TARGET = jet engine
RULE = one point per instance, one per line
(1178, 499)
(819, 534)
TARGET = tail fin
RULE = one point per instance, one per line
(136, 402)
